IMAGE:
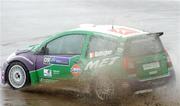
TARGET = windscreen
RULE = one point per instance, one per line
(144, 45)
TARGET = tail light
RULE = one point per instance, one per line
(129, 65)
(125, 63)
(169, 62)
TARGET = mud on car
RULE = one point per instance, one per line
(106, 60)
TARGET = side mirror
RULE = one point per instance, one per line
(44, 50)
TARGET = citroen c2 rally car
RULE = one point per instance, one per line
(106, 59)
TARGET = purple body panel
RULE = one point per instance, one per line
(34, 62)
(28, 59)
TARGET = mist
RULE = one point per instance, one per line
(27, 22)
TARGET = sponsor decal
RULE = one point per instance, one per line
(56, 72)
(75, 70)
(59, 60)
(92, 55)
(123, 31)
(145, 39)
(120, 50)
(55, 60)
(101, 63)
(47, 73)
(46, 60)
(100, 53)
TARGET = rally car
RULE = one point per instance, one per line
(107, 60)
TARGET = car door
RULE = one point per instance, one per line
(102, 53)
(61, 55)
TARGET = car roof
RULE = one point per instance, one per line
(114, 30)
(106, 30)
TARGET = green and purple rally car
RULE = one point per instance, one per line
(106, 60)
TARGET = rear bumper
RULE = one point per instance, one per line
(154, 83)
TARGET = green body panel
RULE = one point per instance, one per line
(58, 71)
(34, 77)
(149, 74)
(116, 69)
(146, 74)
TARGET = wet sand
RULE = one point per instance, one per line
(27, 22)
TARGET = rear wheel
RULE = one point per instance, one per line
(172, 81)
(173, 78)
(17, 75)
(103, 88)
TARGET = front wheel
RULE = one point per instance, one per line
(17, 75)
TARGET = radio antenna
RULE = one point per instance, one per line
(112, 23)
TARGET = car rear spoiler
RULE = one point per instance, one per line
(158, 33)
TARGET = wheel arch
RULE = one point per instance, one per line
(13, 61)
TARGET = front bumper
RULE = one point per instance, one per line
(3, 77)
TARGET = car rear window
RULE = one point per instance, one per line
(145, 45)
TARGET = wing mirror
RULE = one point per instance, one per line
(44, 50)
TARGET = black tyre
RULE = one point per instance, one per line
(17, 75)
(173, 78)
(103, 89)
(172, 81)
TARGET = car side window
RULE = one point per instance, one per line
(100, 46)
(66, 45)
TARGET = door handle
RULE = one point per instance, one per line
(78, 62)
